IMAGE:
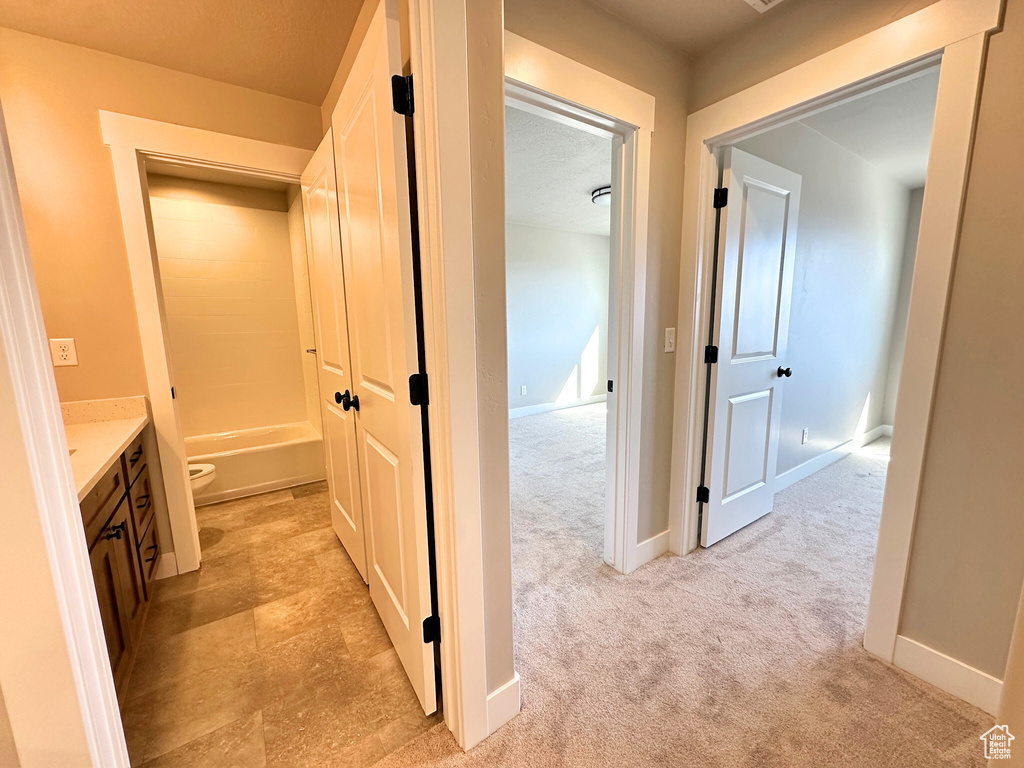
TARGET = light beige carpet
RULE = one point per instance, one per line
(745, 654)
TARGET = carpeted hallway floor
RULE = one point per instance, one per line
(745, 654)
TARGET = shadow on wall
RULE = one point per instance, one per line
(584, 380)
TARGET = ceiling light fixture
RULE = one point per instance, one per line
(601, 196)
(762, 5)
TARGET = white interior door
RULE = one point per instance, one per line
(373, 186)
(320, 205)
(756, 253)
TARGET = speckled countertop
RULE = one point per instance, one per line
(98, 431)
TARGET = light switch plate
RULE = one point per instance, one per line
(670, 339)
(805, 436)
(522, 390)
(63, 352)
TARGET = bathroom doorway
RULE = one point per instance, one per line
(232, 271)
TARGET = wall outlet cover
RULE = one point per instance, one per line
(63, 352)
(522, 390)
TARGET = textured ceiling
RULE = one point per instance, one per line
(690, 25)
(285, 47)
(550, 171)
(891, 128)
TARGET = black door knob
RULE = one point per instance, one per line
(347, 400)
(787, 372)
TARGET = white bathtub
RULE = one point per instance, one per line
(252, 461)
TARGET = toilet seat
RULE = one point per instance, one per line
(196, 471)
(200, 476)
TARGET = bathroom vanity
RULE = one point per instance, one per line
(112, 476)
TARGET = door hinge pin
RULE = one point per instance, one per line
(419, 392)
(721, 197)
(401, 94)
(432, 629)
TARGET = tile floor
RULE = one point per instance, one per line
(271, 654)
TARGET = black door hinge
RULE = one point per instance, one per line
(172, 393)
(721, 197)
(432, 629)
(401, 94)
(710, 354)
(703, 494)
(419, 394)
(611, 385)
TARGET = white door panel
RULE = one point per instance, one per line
(373, 187)
(320, 204)
(756, 253)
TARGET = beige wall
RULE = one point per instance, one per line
(8, 750)
(967, 561)
(229, 295)
(45, 715)
(51, 94)
(599, 40)
(790, 34)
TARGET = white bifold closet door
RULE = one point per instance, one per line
(372, 297)
(327, 284)
(757, 248)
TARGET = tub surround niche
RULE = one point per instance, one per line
(228, 281)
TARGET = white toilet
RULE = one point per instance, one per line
(200, 476)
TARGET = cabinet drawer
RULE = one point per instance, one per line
(101, 501)
(149, 553)
(134, 459)
(141, 497)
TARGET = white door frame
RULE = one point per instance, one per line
(64, 617)
(444, 175)
(133, 140)
(548, 84)
(956, 32)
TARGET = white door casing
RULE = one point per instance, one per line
(757, 252)
(334, 374)
(373, 188)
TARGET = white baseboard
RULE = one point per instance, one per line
(503, 704)
(652, 548)
(532, 410)
(972, 685)
(808, 468)
(883, 430)
(166, 566)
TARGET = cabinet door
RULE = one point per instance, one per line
(107, 579)
(120, 534)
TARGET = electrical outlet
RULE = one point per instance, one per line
(670, 339)
(805, 437)
(63, 352)
(522, 390)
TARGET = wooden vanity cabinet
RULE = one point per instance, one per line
(120, 526)
(121, 539)
(116, 624)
